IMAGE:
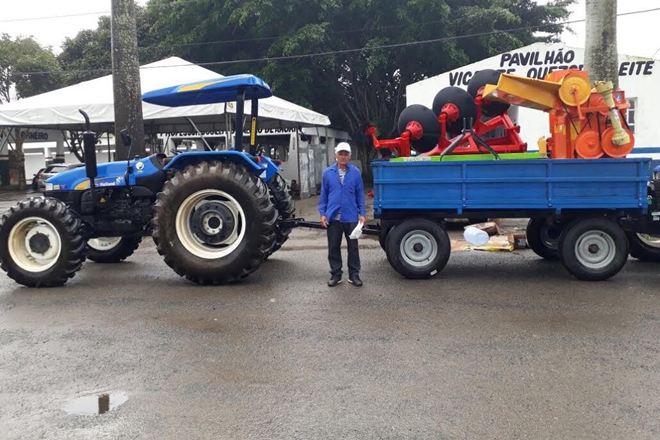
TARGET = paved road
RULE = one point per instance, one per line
(498, 346)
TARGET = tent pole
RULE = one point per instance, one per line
(199, 133)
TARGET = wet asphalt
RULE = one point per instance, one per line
(497, 346)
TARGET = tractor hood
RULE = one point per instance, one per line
(109, 174)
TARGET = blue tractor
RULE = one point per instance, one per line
(215, 216)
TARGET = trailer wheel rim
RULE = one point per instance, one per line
(192, 240)
(103, 243)
(650, 240)
(595, 249)
(550, 236)
(418, 248)
(34, 244)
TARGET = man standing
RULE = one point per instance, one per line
(341, 207)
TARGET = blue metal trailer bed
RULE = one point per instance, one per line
(576, 206)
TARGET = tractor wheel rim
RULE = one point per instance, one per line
(34, 244)
(192, 242)
(595, 249)
(418, 248)
(104, 243)
(650, 240)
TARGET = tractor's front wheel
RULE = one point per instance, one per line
(111, 249)
(40, 243)
(214, 223)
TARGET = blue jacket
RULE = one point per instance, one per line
(347, 198)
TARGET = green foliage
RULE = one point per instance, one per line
(89, 54)
(20, 56)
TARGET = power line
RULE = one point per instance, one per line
(344, 51)
(12, 20)
(84, 14)
(245, 40)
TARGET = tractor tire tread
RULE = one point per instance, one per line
(73, 241)
(286, 209)
(265, 212)
(125, 249)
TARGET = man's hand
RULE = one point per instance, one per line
(324, 221)
(363, 220)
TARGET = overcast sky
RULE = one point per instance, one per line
(637, 34)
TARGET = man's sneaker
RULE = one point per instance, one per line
(334, 281)
(355, 280)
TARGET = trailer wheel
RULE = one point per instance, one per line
(285, 207)
(543, 238)
(382, 236)
(111, 249)
(418, 248)
(41, 243)
(214, 222)
(644, 247)
(593, 249)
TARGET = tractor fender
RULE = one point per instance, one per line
(260, 165)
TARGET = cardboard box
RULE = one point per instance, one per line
(519, 241)
(491, 228)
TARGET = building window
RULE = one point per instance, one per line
(632, 113)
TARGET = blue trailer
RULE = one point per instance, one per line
(589, 214)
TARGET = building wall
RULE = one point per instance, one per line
(639, 78)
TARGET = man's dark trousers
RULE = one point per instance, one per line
(336, 232)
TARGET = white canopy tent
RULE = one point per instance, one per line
(59, 109)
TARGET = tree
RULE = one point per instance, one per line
(88, 54)
(26, 68)
(601, 55)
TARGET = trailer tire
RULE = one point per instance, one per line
(111, 249)
(543, 238)
(42, 243)
(418, 248)
(286, 209)
(644, 249)
(593, 249)
(214, 222)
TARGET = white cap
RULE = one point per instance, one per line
(343, 146)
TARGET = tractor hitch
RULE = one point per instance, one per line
(302, 223)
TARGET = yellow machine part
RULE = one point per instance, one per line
(539, 94)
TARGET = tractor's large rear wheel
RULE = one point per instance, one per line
(214, 223)
(111, 249)
(285, 207)
(41, 244)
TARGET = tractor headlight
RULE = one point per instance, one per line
(49, 186)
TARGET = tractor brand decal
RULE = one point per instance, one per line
(537, 64)
(139, 167)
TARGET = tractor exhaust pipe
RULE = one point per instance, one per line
(89, 151)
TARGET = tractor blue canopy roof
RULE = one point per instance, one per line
(223, 89)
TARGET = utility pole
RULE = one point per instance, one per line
(601, 53)
(126, 79)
